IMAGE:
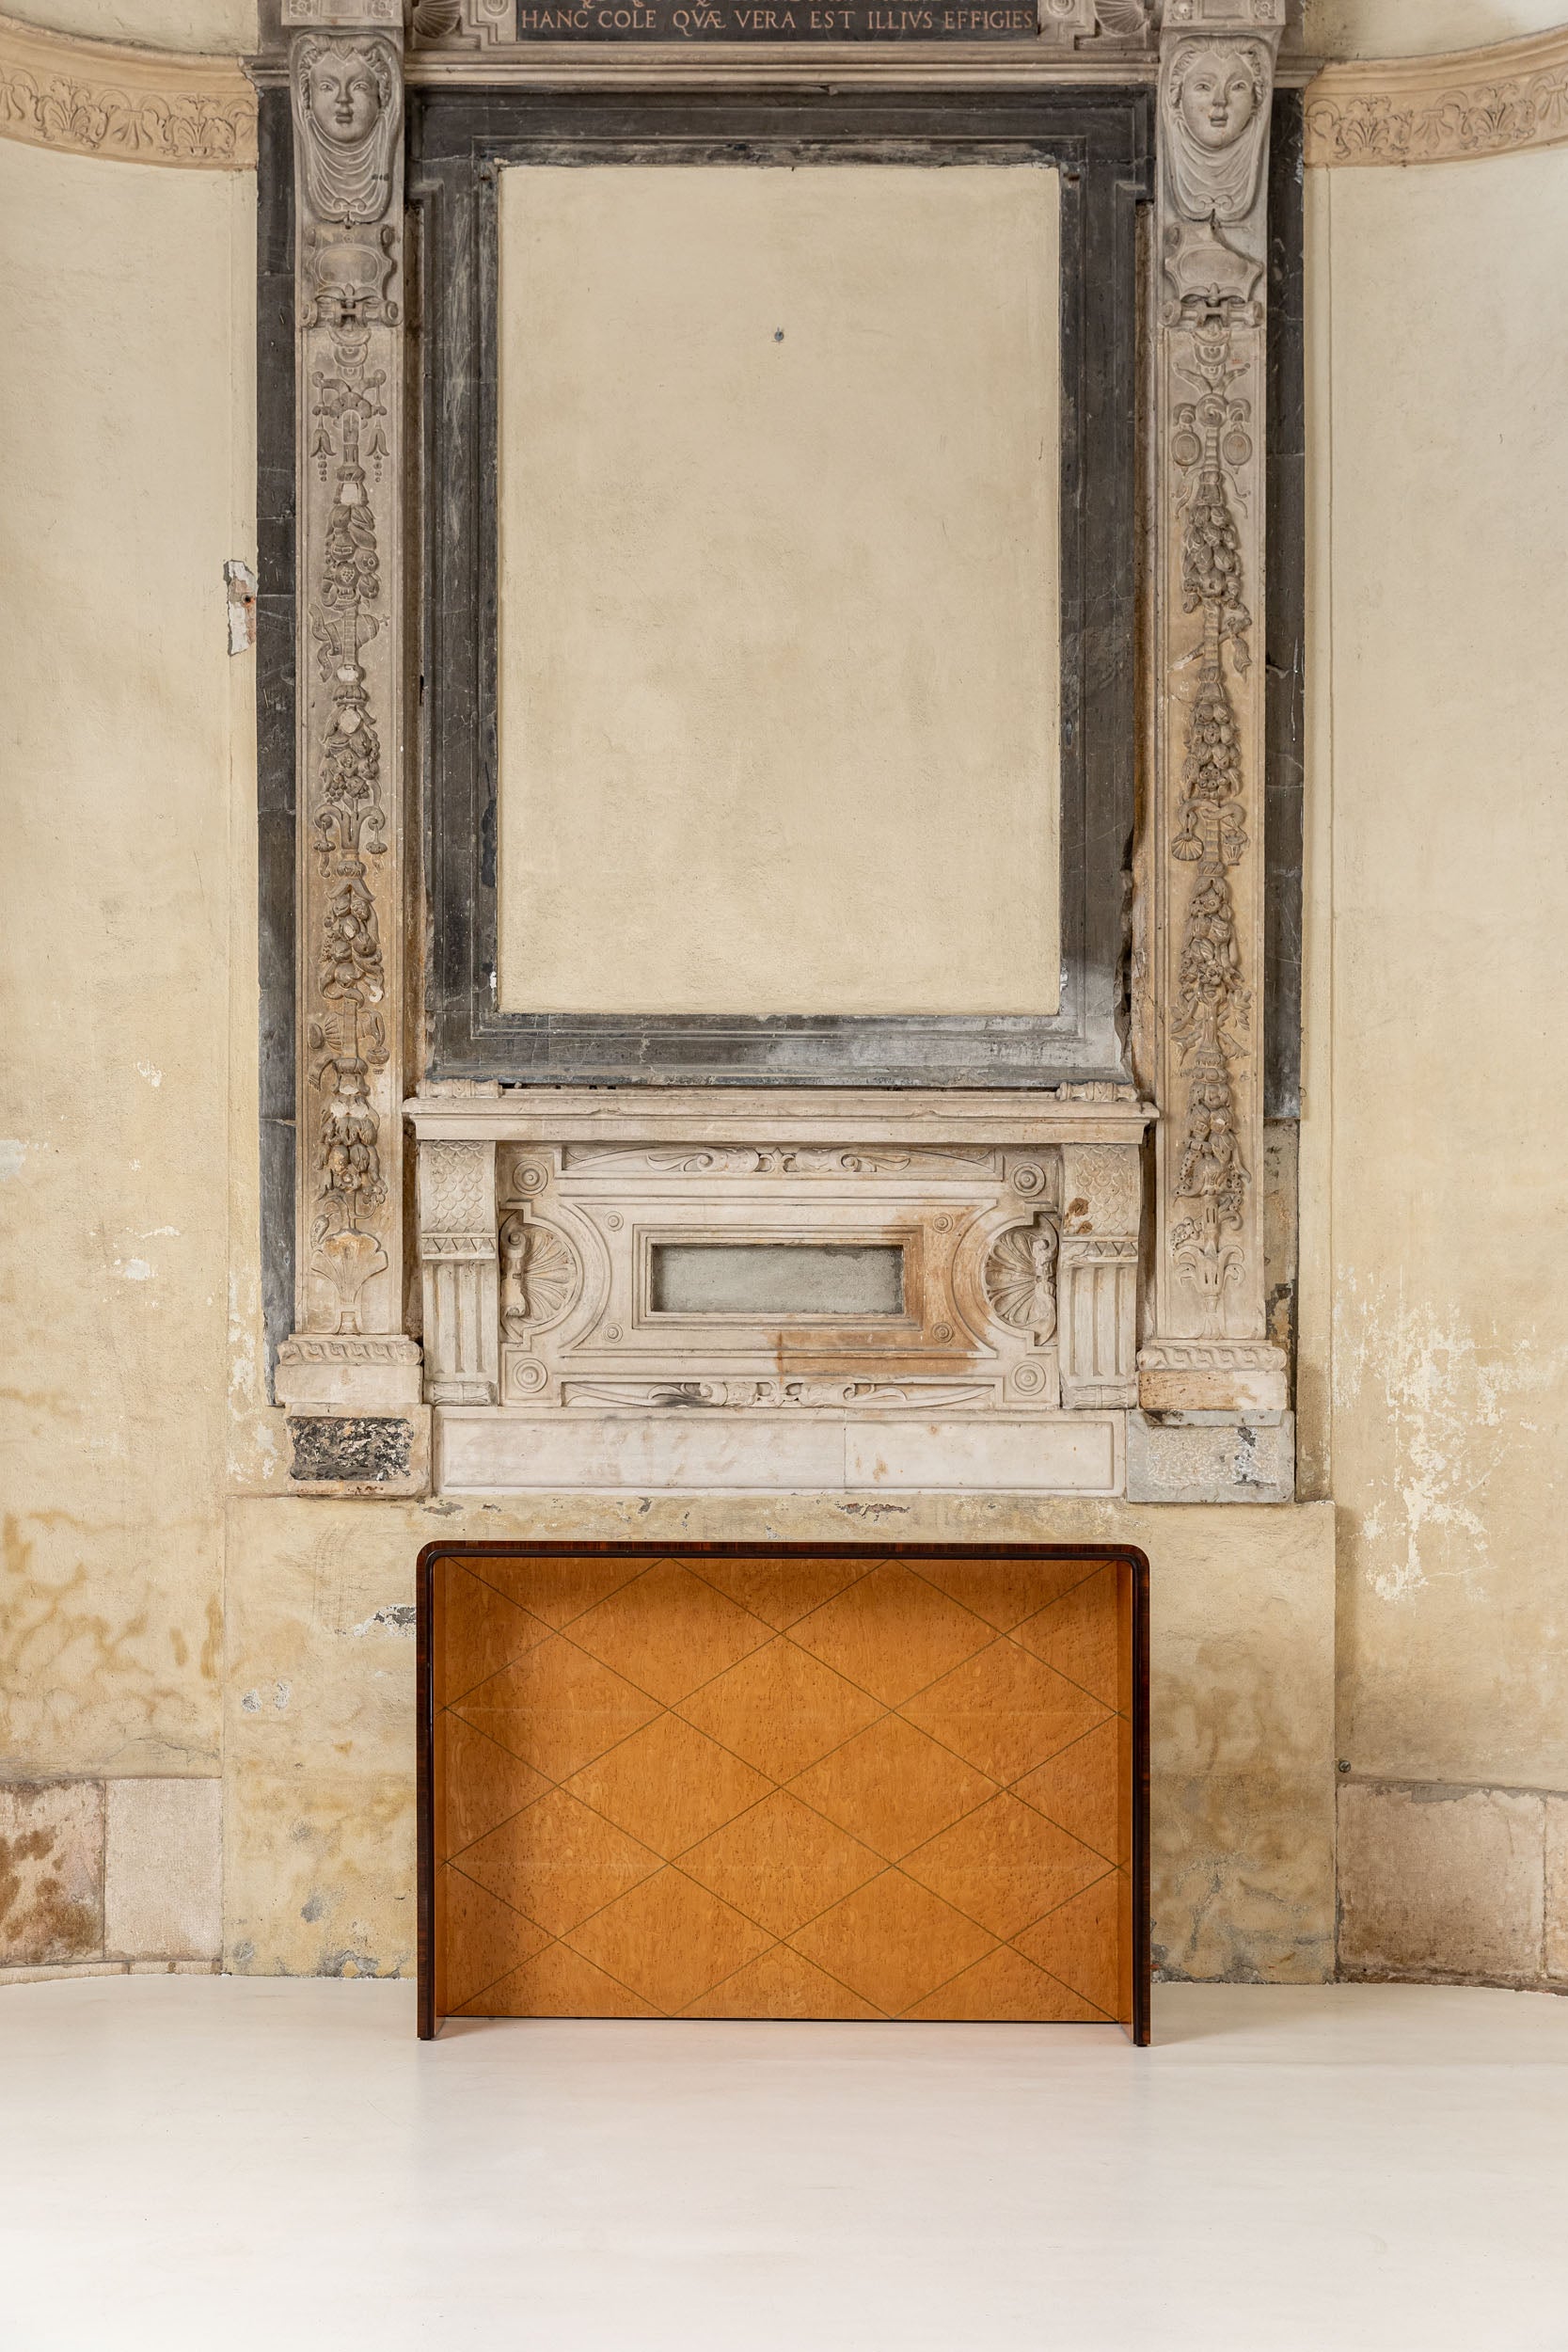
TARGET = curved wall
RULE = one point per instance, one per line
(177, 1623)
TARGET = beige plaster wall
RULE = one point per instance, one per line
(215, 26)
(125, 368)
(778, 489)
(1439, 1031)
(319, 1861)
(1434, 1383)
(1409, 28)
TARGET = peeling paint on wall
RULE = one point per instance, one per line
(1451, 1398)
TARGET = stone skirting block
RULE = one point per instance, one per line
(1211, 1457)
(1442, 1882)
(1557, 1889)
(163, 1879)
(51, 1873)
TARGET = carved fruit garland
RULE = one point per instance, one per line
(1212, 1004)
(346, 96)
(348, 822)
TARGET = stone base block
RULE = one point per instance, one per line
(696, 1451)
(163, 1873)
(1444, 1882)
(51, 1873)
(1211, 1457)
(353, 1455)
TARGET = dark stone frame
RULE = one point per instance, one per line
(1100, 141)
(276, 708)
(1285, 614)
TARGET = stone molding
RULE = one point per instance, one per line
(135, 105)
(1442, 109)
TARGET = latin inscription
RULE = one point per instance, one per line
(722, 20)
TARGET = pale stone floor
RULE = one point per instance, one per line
(254, 2163)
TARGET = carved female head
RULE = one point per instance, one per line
(344, 95)
(346, 117)
(1214, 121)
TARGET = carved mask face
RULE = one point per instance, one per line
(1219, 97)
(344, 97)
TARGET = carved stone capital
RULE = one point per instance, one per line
(1216, 71)
(458, 1266)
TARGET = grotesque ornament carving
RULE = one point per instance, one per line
(1216, 81)
(1212, 1003)
(1020, 1278)
(346, 118)
(1215, 123)
(346, 91)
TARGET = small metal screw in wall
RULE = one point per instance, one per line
(1344, 1764)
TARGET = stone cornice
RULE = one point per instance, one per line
(136, 105)
(1441, 109)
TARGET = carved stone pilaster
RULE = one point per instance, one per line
(1206, 1348)
(1098, 1275)
(458, 1262)
(345, 70)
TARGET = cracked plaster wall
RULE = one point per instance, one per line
(1434, 1403)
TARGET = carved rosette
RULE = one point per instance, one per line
(1215, 91)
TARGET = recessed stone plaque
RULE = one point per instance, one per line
(779, 638)
(783, 1279)
(722, 20)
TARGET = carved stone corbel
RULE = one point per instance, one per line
(345, 73)
(1205, 1349)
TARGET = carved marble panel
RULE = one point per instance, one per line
(1206, 863)
(541, 1214)
(349, 1356)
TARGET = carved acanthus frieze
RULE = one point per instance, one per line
(136, 105)
(771, 1160)
(781, 1395)
(1441, 109)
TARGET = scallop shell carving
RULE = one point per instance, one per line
(1020, 1278)
(540, 1275)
